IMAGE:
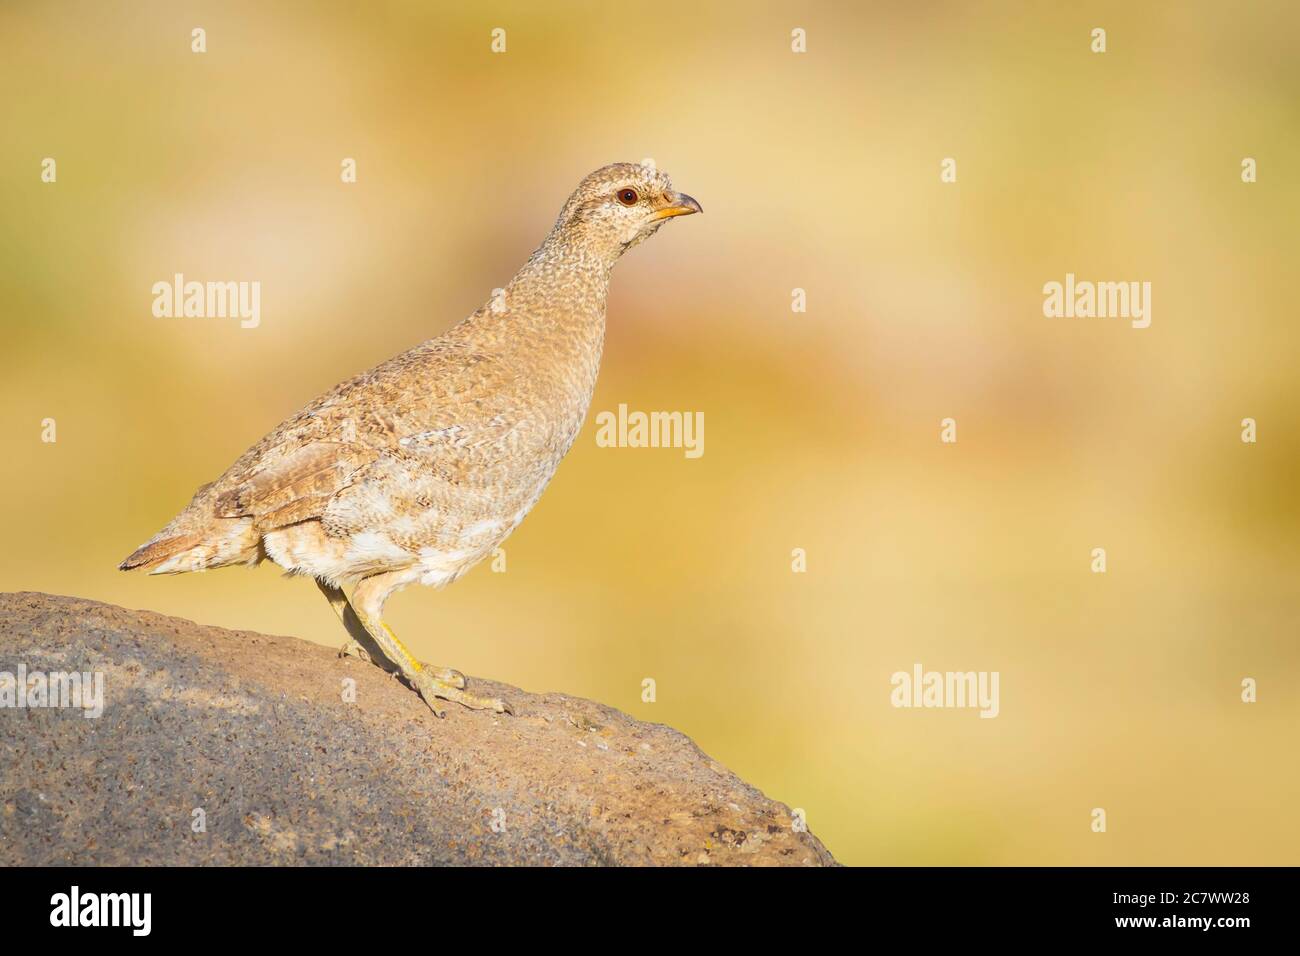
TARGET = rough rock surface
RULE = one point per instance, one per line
(253, 730)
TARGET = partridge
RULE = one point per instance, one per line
(417, 469)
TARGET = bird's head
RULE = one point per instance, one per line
(618, 206)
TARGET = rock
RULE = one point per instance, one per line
(250, 735)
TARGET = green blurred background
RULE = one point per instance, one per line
(818, 171)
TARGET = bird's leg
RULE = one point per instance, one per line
(359, 638)
(433, 683)
(339, 603)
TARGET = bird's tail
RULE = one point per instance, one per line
(223, 542)
(173, 552)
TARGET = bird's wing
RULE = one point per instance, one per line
(429, 414)
(283, 490)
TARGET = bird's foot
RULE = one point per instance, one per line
(445, 674)
(353, 648)
(434, 686)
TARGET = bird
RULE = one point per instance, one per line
(417, 469)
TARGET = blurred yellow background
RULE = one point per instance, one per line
(818, 171)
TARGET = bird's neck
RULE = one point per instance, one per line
(566, 275)
(555, 305)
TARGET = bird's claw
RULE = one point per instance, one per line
(353, 648)
(433, 687)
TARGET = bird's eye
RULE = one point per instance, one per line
(628, 197)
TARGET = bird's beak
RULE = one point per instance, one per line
(681, 205)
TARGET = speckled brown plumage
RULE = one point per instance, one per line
(417, 469)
